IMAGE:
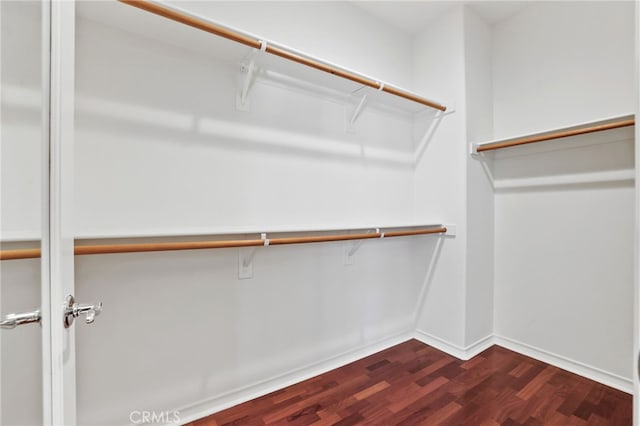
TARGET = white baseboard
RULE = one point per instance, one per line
(606, 378)
(207, 407)
(463, 353)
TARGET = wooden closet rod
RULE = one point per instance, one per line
(556, 135)
(19, 254)
(219, 30)
(199, 245)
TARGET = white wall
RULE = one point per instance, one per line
(20, 207)
(479, 186)
(342, 34)
(21, 122)
(440, 175)
(457, 312)
(560, 63)
(564, 253)
(160, 148)
(194, 163)
(191, 331)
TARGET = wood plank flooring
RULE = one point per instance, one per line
(415, 384)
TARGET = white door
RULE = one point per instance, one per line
(37, 361)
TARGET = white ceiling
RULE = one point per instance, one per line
(413, 16)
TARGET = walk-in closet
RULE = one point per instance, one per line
(319, 212)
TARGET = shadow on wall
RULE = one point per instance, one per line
(432, 253)
(220, 133)
(119, 119)
(170, 127)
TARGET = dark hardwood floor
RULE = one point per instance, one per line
(413, 383)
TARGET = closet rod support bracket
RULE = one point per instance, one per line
(356, 113)
(242, 98)
(248, 68)
(245, 259)
(349, 251)
(451, 230)
(245, 264)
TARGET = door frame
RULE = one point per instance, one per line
(59, 390)
(636, 318)
(45, 311)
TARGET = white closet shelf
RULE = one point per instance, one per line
(187, 30)
(264, 240)
(19, 236)
(600, 125)
(245, 230)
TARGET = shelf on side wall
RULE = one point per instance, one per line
(600, 125)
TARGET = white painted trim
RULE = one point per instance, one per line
(207, 407)
(636, 242)
(45, 271)
(613, 380)
(61, 258)
(1, 227)
(463, 353)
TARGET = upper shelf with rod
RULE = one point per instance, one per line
(565, 132)
(264, 240)
(176, 26)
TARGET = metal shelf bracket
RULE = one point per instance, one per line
(351, 250)
(248, 68)
(358, 110)
(245, 259)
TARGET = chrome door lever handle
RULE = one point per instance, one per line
(92, 314)
(13, 320)
(73, 310)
